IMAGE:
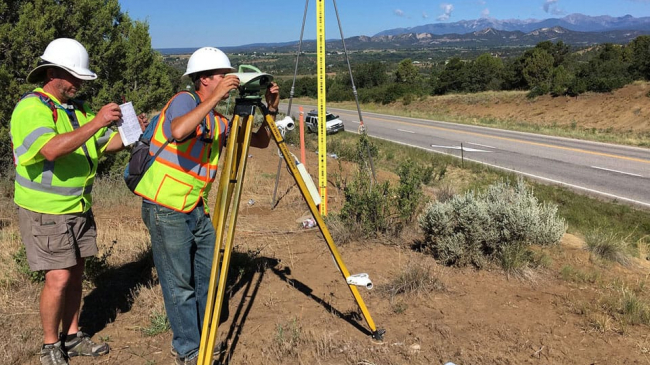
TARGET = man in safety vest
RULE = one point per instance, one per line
(57, 142)
(175, 190)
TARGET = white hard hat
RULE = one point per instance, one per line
(67, 54)
(208, 58)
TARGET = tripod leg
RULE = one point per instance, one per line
(239, 153)
(219, 215)
(277, 180)
(291, 164)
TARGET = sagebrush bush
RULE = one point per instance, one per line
(478, 226)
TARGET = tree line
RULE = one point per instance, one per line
(120, 51)
(547, 68)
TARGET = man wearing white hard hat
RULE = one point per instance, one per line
(191, 134)
(57, 142)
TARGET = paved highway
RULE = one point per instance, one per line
(614, 171)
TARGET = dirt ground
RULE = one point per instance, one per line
(295, 307)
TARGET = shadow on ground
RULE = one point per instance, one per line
(114, 292)
(250, 277)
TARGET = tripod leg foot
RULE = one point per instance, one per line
(378, 334)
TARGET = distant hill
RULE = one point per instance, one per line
(491, 37)
(574, 29)
(575, 22)
(485, 38)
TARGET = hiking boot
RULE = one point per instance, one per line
(181, 361)
(219, 348)
(53, 355)
(82, 345)
(192, 361)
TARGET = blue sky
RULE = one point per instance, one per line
(198, 23)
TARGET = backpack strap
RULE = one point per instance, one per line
(79, 104)
(45, 99)
(197, 100)
(205, 126)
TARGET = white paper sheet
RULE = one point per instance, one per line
(128, 126)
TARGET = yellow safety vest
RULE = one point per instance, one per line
(62, 186)
(182, 174)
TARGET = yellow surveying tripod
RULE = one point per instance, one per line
(229, 193)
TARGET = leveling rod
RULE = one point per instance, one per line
(229, 193)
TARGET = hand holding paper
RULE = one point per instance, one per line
(129, 126)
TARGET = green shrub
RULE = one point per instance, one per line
(159, 323)
(368, 207)
(474, 228)
(409, 191)
(94, 266)
(20, 258)
(372, 208)
(364, 151)
(377, 208)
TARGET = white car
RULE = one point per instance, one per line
(332, 122)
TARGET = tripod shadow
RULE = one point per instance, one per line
(307, 291)
(250, 287)
(113, 293)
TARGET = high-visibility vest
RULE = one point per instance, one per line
(182, 174)
(62, 186)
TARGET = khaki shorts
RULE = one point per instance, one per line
(55, 241)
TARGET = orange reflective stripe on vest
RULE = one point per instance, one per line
(183, 170)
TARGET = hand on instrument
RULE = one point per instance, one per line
(273, 96)
(229, 83)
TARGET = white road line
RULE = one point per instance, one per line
(619, 172)
(578, 187)
(405, 131)
(466, 149)
(481, 145)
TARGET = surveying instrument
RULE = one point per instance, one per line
(227, 206)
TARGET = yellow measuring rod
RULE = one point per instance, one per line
(322, 110)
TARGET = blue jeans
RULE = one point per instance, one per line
(183, 249)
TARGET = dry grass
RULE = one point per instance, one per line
(415, 278)
(294, 342)
(608, 246)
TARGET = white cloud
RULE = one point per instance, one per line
(447, 9)
(398, 12)
(551, 6)
(425, 15)
(485, 13)
(548, 4)
(481, 2)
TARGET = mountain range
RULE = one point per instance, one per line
(574, 22)
(574, 29)
(489, 37)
